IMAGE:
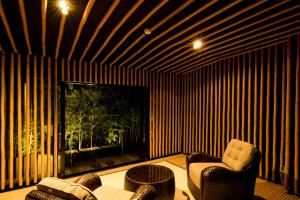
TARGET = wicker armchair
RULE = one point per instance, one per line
(231, 177)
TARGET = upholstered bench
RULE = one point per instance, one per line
(87, 187)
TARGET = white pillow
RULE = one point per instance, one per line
(65, 189)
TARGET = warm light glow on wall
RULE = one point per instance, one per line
(64, 7)
(197, 44)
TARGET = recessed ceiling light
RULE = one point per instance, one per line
(147, 31)
(64, 6)
(197, 44)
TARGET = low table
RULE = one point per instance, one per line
(160, 177)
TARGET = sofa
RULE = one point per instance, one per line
(87, 187)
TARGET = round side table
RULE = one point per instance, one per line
(160, 177)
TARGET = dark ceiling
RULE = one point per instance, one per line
(112, 31)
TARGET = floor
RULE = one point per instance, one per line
(263, 189)
(89, 165)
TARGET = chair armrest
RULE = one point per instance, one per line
(144, 192)
(90, 180)
(201, 157)
(227, 182)
(39, 195)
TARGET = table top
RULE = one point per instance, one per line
(150, 174)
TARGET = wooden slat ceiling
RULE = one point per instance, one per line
(112, 31)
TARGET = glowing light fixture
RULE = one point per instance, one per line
(64, 6)
(197, 44)
(147, 31)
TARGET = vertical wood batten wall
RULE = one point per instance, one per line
(32, 117)
(266, 101)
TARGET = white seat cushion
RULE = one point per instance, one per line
(109, 193)
(65, 189)
(195, 170)
(238, 154)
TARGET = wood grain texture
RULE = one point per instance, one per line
(11, 121)
(27, 122)
(288, 108)
(297, 122)
(19, 103)
(35, 131)
(3, 121)
(49, 118)
(268, 120)
(249, 99)
(275, 117)
(55, 120)
(42, 116)
(283, 99)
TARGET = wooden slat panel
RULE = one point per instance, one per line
(156, 113)
(197, 121)
(238, 98)
(255, 109)
(211, 111)
(11, 121)
(233, 91)
(268, 126)
(243, 114)
(90, 73)
(115, 75)
(79, 71)
(110, 69)
(96, 72)
(283, 104)
(27, 121)
(55, 126)
(215, 107)
(20, 156)
(176, 112)
(3, 162)
(35, 163)
(105, 74)
(60, 34)
(288, 108)
(49, 113)
(218, 153)
(229, 75)
(190, 143)
(101, 74)
(297, 122)
(163, 106)
(62, 69)
(206, 144)
(249, 99)
(42, 115)
(172, 115)
(275, 118)
(74, 71)
(223, 75)
(44, 22)
(185, 104)
(85, 72)
(167, 112)
(68, 71)
(160, 149)
(151, 117)
(261, 108)
(203, 109)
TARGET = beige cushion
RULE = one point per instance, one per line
(65, 189)
(238, 154)
(108, 193)
(195, 170)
